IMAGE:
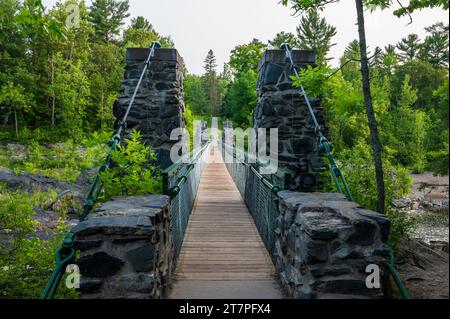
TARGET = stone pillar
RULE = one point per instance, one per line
(126, 249)
(280, 105)
(159, 106)
(324, 245)
(204, 132)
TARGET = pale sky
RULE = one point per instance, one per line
(199, 25)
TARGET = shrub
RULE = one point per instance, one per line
(133, 171)
(402, 225)
(26, 260)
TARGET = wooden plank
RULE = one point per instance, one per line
(221, 241)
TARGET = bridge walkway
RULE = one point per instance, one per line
(222, 255)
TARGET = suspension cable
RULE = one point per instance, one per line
(154, 46)
(65, 255)
(337, 172)
(325, 145)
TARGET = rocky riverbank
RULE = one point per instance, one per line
(428, 203)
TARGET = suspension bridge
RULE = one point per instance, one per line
(221, 229)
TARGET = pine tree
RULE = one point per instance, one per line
(107, 16)
(284, 37)
(435, 46)
(211, 82)
(409, 48)
(141, 23)
(314, 33)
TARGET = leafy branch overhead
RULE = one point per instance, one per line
(402, 7)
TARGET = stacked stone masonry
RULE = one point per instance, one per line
(126, 249)
(280, 105)
(324, 244)
(159, 106)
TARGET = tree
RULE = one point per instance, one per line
(142, 34)
(108, 16)
(107, 63)
(409, 48)
(211, 83)
(314, 33)
(284, 37)
(246, 57)
(240, 100)
(15, 100)
(375, 139)
(350, 62)
(435, 46)
(141, 23)
(195, 95)
(72, 95)
(424, 79)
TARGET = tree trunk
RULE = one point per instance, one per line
(101, 110)
(16, 123)
(52, 64)
(374, 136)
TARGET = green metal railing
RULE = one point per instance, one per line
(336, 172)
(181, 181)
(325, 145)
(258, 191)
(65, 255)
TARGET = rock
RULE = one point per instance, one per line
(83, 245)
(141, 258)
(324, 243)
(402, 203)
(28, 182)
(89, 285)
(129, 238)
(130, 283)
(86, 177)
(130, 225)
(99, 265)
(280, 105)
(423, 270)
(364, 233)
(16, 148)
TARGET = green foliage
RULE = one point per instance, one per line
(195, 95)
(402, 225)
(62, 161)
(246, 57)
(211, 84)
(435, 46)
(282, 38)
(189, 120)
(72, 92)
(312, 79)
(409, 48)
(62, 76)
(314, 33)
(240, 100)
(27, 261)
(357, 165)
(301, 5)
(108, 16)
(133, 171)
(15, 100)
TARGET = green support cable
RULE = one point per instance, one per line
(66, 254)
(391, 266)
(337, 173)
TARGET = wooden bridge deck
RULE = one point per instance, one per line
(222, 255)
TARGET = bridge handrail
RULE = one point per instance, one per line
(281, 172)
(325, 145)
(337, 173)
(177, 166)
(65, 255)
